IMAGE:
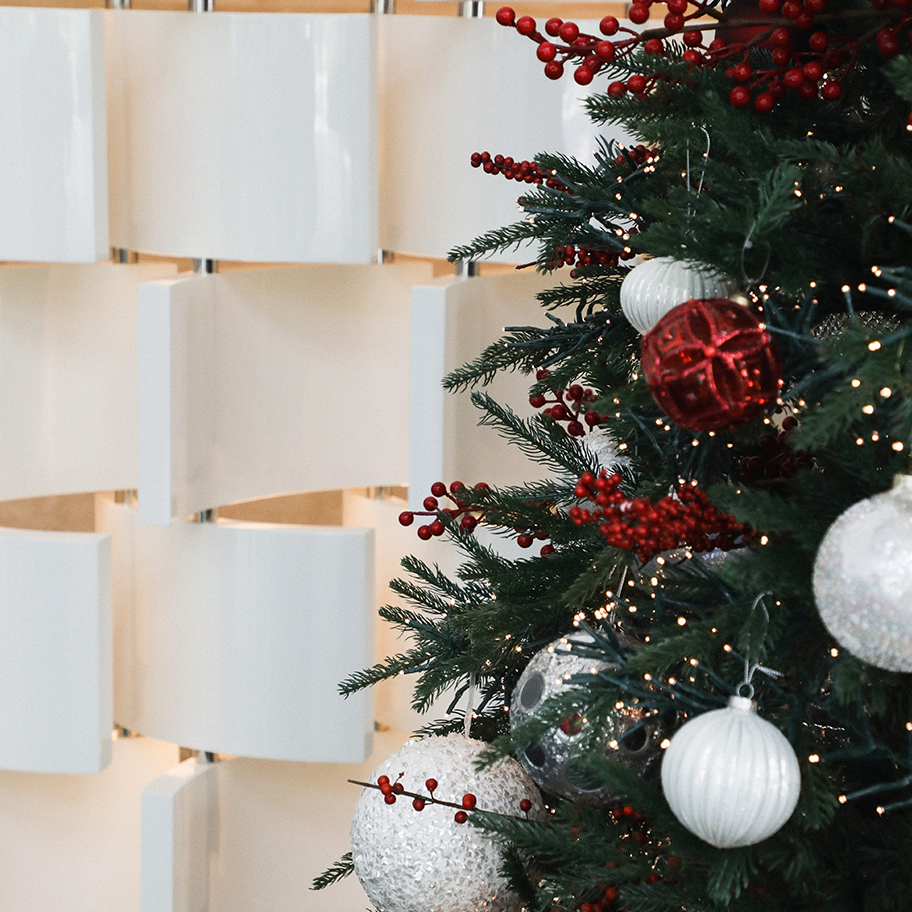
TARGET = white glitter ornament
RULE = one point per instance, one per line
(731, 777)
(863, 578)
(657, 285)
(552, 760)
(423, 861)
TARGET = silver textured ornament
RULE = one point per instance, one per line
(731, 777)
(552, 761)
(863, 578)
(423, 861)
(657, 285)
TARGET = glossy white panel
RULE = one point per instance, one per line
(72, 843)
(55, 651)
(232, 637)
(244, 136)
(180, 831)
(249, 384)
(68, 378)
(53, 183)
(451, 87)
(453, 320)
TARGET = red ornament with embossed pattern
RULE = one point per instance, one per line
(711, 364)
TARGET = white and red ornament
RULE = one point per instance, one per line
(863, 578)
(426, 860)
(657, 285)
(730, 777)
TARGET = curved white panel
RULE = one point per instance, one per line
(244, 136)
(451, 87)
(68, 378)
(179, 834)
(453, 320)
(72, 843)
(53, 183)
(249, 384)
(233, 637)
(55, 651)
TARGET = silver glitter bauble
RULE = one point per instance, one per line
(657, 285)
(731, 777)
(863, 578)
(423, 861)
(552, 761)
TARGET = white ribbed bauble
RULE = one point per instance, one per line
(423, 861)
(657, 285)
(863, 578)
(731, 777)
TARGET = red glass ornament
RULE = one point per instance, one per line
(711, 364)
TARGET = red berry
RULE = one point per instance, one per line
(653, 46)
(552, 26)
(430, 503)
(791, 9)
(430, 784)
(739, 96)
(742, 72)
(638, 13)
(436, 527)
(617, 88)
(781, 56)
(831, 91)
(418, 804)
(804, 20)
(781, 37)
(807, 90)
(383, 780)
(636, 84)
(406, 518)
(398, 787)
(460, 816)
(569, 32)
(482, 486)
(424, 532)
(819, 41)
(692, 39)
(456, 487)
(525, 805)
(770, 6)
(887, 42)
(609, 25)
(812, 70)
(814, 6)
(674, 22)
(390, 798)
(582, 75)
(524, 541)
(793, 78)
(605, 50)
(469, 801)
(546, 550)
(554, 69)
(525, 25)
(505, 15)
(468, 523)
(677, 6)
(438, 489)
(764, 102)
(546, 51)
(575, 429)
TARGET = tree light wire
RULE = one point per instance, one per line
(470, 707)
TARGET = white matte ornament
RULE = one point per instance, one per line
(730, 777)
(657, 285)
(423, 861)
(863, 578)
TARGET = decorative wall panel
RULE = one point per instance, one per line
(55, 651)
(252, 384)
(232, 637)
(180, 832)
(53, 179)
(68, 377)
(448, 88)
(453, 320)
(243, 136)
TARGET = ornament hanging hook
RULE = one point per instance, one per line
(470, 706)
(687, 166)
(748, 245)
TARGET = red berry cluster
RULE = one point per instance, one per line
(569, 405)
(528, 172)
(778, 460)
(647, 528)
(390, 791)
(470, 515)
(589, 52)
(585, 256)
(638, 155)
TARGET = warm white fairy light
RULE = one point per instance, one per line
(665, 743)
(874, 346)
(842, 799)
(682, 621)
(868, 409)
(814, 758)
(834, 652)
(898, 446)
(856, 383)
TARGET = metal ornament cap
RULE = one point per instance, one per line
(863, 578)
(730, 777)
(657, 285)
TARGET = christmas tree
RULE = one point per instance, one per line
(704, 661)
